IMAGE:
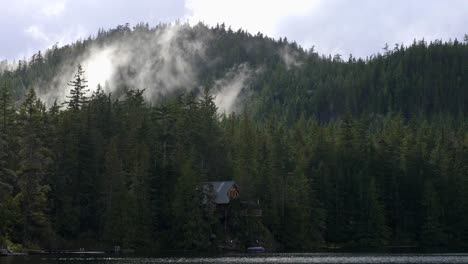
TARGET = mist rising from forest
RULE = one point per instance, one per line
(7, 66)
(162, 62)
(158, 62)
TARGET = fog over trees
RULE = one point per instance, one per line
(345, 151)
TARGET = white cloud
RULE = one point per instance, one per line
(54, 9)
(47, 39)
(40, 39)
(361, 27)
(37, 34)
(252, 15)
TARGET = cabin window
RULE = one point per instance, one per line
(233, 193)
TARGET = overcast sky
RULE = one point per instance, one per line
(360, 27)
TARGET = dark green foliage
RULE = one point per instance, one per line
(7, 174)
(364, 153)
(372, 228)
(7, 130)
(34, 162)
(190, 229)
(116, 198)
(432, 230)
(78, 91)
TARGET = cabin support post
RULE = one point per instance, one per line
(225, 218)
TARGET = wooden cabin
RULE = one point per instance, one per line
(222, 192)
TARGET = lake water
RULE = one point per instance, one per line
(244, 258)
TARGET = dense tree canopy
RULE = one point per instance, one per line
(357, 153)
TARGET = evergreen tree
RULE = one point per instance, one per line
(373, 231)
(432, 230)
(7, 175)
(35, 158)
(77, 97)
(189, 229)
(115, 199)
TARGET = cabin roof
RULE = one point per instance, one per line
(221, 189)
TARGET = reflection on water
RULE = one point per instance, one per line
(243, 258)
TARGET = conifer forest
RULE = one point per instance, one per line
(336, 151)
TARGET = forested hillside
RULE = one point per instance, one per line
(337, 151)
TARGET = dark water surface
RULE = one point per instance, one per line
(245, 258)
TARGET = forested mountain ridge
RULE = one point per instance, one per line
(349, 152)
(424, 78)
